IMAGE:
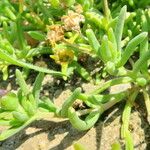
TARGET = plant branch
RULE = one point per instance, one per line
(112, 82)
(147, 103)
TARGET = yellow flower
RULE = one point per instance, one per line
(63, 56)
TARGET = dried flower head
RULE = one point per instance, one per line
(78, 9)
(72, 21)
(55, 34)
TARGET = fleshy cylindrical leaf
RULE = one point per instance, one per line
(9, 102)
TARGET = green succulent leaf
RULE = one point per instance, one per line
(37, 85)
(21, 117)
(79, 124)
(4, 122)
(47, 104)
(131, 48)
(68, 103)
(138, 66)
(93, 40)
(81, 70)
(37, 35)
(120, 26)
(105, 52)
(21, 81)
(9, 102)
(14, 61)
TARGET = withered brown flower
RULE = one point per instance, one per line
(72, 21)
(55, 34)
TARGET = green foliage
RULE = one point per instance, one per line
(9, 102)
(71, 32)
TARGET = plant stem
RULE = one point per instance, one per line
(68, 103)
(84, 111)
(11, 131)
(110, 104)
(125, 133)
(112, 82)
(147, 103)
(92, 117)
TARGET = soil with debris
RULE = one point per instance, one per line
(58, 134)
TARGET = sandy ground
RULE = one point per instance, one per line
(57, 134)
